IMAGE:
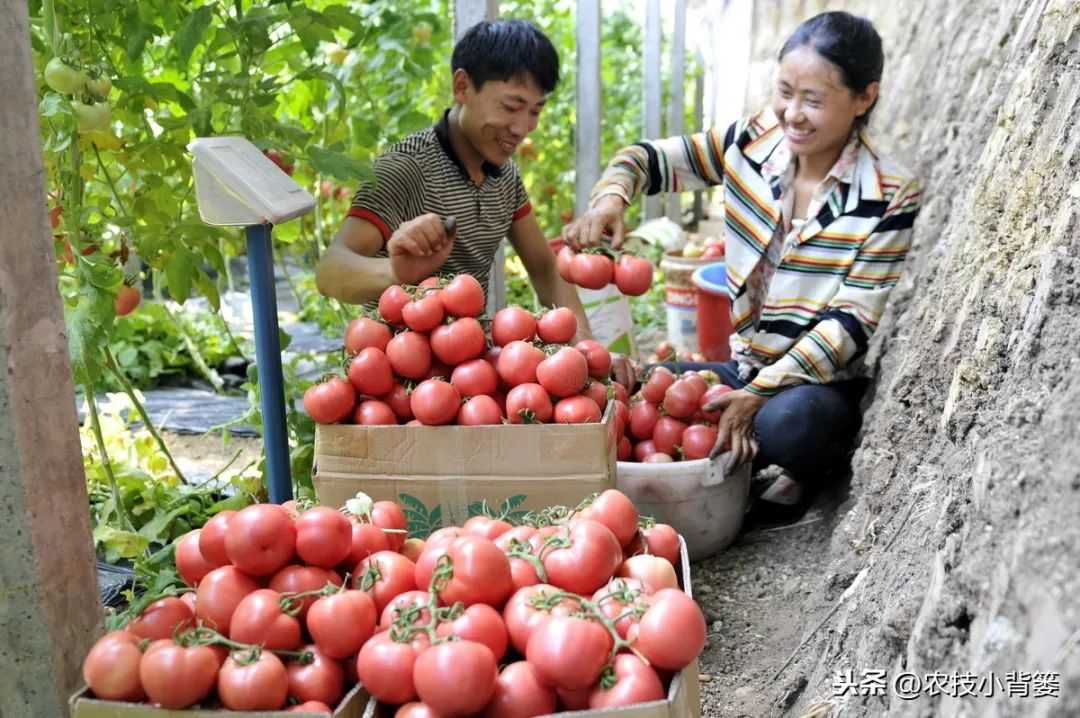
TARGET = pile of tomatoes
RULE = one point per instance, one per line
(427, 359)
(293, 606)
(666, 418)
(596, 269)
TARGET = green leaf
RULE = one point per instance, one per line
(339, 166)
(192, 31)
(118, 543)
(53, 104)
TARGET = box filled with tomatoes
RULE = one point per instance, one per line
(446, 411)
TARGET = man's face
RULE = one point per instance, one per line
(497, 118)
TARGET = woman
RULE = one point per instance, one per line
(818, 224)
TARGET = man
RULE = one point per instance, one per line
(394, 234)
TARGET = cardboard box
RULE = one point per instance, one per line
(82, 705)
(683, 697)
(441, 475)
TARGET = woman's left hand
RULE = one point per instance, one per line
(736, 426)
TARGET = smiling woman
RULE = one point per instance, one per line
(818, 227)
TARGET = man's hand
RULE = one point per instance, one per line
(419, 248)
(589, 229)
(623, 371)
(736, 426)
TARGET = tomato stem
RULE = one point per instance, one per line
(292, 603)
(522, 550)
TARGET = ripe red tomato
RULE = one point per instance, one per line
(372, 412)
(301, 579)
(615, 598)
(480, 411)
(713, 252)
(259, 686)
(385, 667)
(323, 536)
(212, 538)
(512, 324)
(672, 631)
(597, 356)
(615, 510)
(366, 540)
(384, 575)
(261, 538)
(398, 400)
(598, 392)
(410, 355)
(459, 341)
(662, 540)
(178, 677)
(126, 301)
(322, 680)
(258, 619)
(341, 623)
(391, 302)
(111, 668)
(518, 362)
(644, 449)
(162, 618)
(576, 410)
(403, 605)
(528, 403)
(364, 332)
(370, 372)
(658, 457)
(557, 326)
(330, 401)
(681, 399)
(481, 573)
(636, 683)
(435, 402)
(633, 275)
(569, 652)
(564, 262)
(486, 527)
(481, 623)
(698, 441)
(592, 271)
(643, 419)
(310, 707)
(625, 450)
(415, 709)
(476, 377)
(220, 592)
(712, 394)
(456, 678)
(389, 516)
(564, 373)
(588, 562)
(522, 617)
(463, 296)
(668, 435)
(519, 692)
(423, 314)
(190, 563)
(659, 380)
(697, 381)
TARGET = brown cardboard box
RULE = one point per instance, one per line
(83, 706)
(683, 698)
(442, 474)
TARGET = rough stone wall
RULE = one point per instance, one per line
(961, 540)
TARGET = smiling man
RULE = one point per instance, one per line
(503, 73)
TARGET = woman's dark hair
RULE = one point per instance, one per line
(850, 43)
(506, 49)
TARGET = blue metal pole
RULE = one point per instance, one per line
(268, 361)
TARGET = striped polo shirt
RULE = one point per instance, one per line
(831, 284)
(421, 174)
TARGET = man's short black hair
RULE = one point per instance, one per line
(506, 49)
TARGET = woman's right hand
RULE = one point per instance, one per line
(606, 217)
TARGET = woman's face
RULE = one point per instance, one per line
(816, 110)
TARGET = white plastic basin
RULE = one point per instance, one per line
(695, 497)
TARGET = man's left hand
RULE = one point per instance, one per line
(736, 426)
(623, 370)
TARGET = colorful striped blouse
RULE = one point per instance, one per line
(831, 284)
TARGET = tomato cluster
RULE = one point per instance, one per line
(293, 605)
(427, 359)
(666, 419)
(597, 269)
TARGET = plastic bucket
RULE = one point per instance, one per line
(695, 497)
(680, 295)
(713, 311)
